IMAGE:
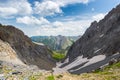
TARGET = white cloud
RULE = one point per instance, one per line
(67, 2)
(15, 7)
(5, 11)
(57, 24)
(32, 20)
(51, 7)
(64, 28)
(99, 16)
(47, 8)
(70, 27)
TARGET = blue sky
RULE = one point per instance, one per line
(54, 17)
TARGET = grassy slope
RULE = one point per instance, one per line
(58, 56)
(111, 72)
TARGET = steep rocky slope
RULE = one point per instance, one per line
(21, 47)
(97, 47)
(7, 54)
(99, 38)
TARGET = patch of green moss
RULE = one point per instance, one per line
(58, 56)
(85, 75)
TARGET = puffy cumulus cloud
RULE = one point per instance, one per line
(44, 8)
(30, 20)
(70, 27)
(51, 7)
(57, 24)
(6, 11)
(14, 7)
(47, 8)
(67, 2)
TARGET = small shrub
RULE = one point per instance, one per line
(32, 78)
(50, 78)
(59, 76)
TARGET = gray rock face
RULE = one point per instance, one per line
(28, 52)
(99, 38)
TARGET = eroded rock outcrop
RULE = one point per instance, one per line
(23, 48)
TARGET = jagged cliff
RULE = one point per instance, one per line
(97, 47)
(22, 48)
(100, 38)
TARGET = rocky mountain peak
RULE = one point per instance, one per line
(97, 47)
(28, 52)
(107, 29)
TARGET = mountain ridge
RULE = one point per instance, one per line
(56, 43)
(28, 52)
(99, 46)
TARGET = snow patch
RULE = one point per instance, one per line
(39, 43)
(101, 35)
(97, 51)
(79, 60)
(93, 60)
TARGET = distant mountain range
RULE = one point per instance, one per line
(56, 42)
